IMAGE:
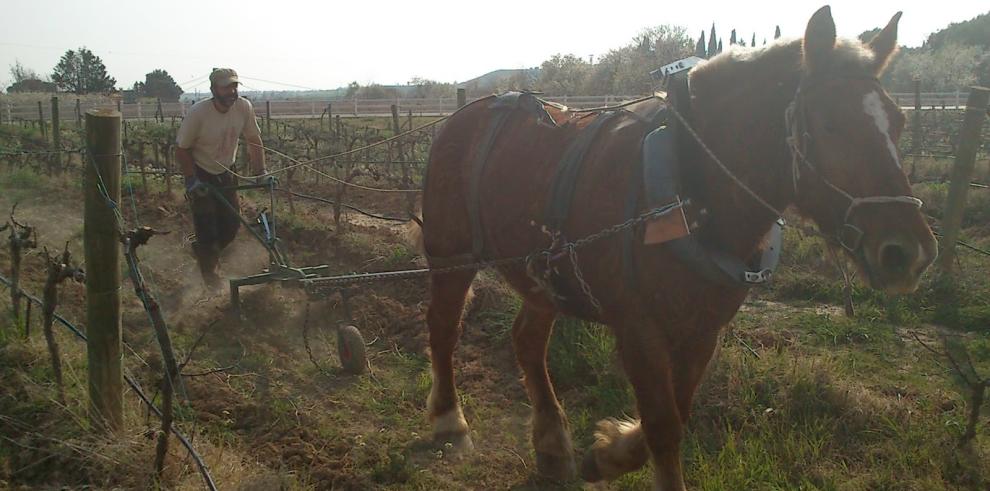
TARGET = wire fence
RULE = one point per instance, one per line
(330, 160)
(71, 109)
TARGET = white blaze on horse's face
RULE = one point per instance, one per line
(873, 105)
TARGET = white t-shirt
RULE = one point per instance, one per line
(211, 135)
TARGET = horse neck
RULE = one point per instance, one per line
(738, 111)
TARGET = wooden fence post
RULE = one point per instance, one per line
(330, 117)
(962, 171)
(56, 158)
(268, 119)
(916, 135)
(78, 113)
(41, 121)
(102, 246)
(168, 166)
(461, 97)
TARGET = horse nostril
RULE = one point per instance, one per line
(894, 258)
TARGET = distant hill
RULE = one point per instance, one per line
(499, 80)
(973, 32)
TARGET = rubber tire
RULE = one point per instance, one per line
(351, 349)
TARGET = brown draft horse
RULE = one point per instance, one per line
(843, 174)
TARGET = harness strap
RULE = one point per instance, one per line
(565, 179)
(856, 202)
(663, 152)
(503, 106)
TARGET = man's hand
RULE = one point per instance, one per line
(195, 187)
(266, 179)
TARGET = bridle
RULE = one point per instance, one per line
(849, 236)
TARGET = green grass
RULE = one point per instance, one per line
(826, 402)
(584, 369)
(787, 422)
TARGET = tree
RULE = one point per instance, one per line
(973, 32)
(31, 85)
(158, 84)
(376, 91)
(21, 73)
(699, 49)
(82, 72)
(949, 68)
(425, 88)
(352, 90)
(626, 70)
(563, 74)
(776, 32)
(27, 80)
(867, 36)
(712, 43)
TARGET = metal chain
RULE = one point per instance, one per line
(309, 351)
(323, 285)
(572, 253)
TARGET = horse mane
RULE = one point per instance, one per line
(850, 57)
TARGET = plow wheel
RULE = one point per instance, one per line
(351, 349)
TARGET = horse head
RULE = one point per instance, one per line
(847, 173)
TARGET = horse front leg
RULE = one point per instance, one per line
(624, 446)
(650, 370)
(621, 445)
(551, 436)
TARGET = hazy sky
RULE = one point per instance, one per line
(325, 44)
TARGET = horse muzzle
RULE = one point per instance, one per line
(896, 264)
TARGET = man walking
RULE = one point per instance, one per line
(206, 148)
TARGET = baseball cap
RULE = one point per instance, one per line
(222, 77)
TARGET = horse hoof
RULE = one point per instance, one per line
(557, 467)
(454, 445)
(589, 468)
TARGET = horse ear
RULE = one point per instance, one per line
(884, 44)
(819, 39)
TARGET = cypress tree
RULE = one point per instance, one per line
(712, 43)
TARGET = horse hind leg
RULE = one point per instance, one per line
(551, 437)
(448, 292)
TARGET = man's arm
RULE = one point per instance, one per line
(185, 158)
(185, 138)
(256, 154)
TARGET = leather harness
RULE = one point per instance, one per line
(656, 179)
